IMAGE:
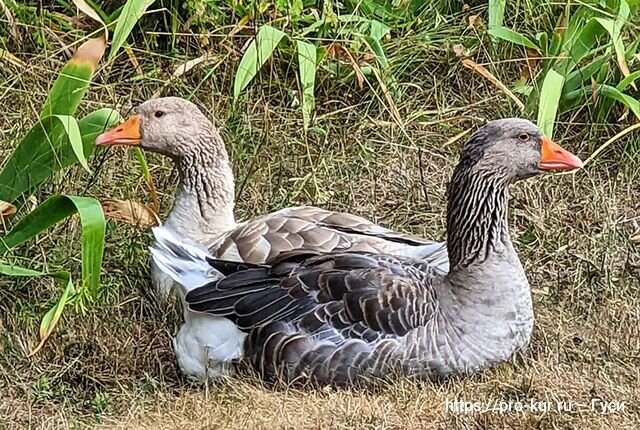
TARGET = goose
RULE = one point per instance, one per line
(203, 213)
(203, 210)
(351, 317)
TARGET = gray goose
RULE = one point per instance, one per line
(349, 317)
(203, 213)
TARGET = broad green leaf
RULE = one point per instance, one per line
(46, 149)
(513, 37)
(574, 80)
(582, 45)
(51, 318)
(129, 16)
(307, 69)
(52, 211)
(93, 231)
(257, 54)
(11, 270)
(627, 100)
(496, 12)
(549, 99)
(74, 79)
(378, 30)
(95, 123)
(75, 138)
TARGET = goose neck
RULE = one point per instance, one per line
(204, 203)
(477, 224)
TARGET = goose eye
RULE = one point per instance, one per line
(523, 137)
(158, 114)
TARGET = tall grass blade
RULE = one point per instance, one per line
(52, 211)
(513, 37)
(307, 69)
(257, 54)
(129, 16)
(549, 100)
(628, 80)
(74, 79)
(496, 13)
(614, 28)
(627, 100)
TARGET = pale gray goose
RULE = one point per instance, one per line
(349, 317)
(203, 213)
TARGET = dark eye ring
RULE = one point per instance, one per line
(158, 114)
(523, 137)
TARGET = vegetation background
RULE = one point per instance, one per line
(358, 106)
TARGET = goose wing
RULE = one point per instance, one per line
(266, 237)
(338, 316)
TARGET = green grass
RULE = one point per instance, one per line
(112, 366)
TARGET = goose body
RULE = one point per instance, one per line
(346, 316)
(203, 214)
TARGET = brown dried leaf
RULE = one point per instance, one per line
(635, 239)
(131, 212)
(354, 64)
(6, 211)
(475, 21)
(188, 65)
(458, 49)
(531, 65)
(91, 51)
(470, 64)
(562, 25)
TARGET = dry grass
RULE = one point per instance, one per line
(113, 366)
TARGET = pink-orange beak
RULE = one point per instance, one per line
(554, 157)
(127, 133)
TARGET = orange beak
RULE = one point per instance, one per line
(554, 157)
(127, 133)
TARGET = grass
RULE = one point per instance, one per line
(113, 367)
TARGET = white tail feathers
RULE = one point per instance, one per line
(186, 263)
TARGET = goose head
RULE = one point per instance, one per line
(514, 149)
(171, 126)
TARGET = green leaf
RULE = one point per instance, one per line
(627, 100)
(74, 79)
(256, 55)
(46, 149)
(581, 45)
(51, 318)
(628, 80)
(574, 80)
(496, 12)
(72, 130)
(129, 16)
(549, 99)
(513, 37)
(307, 68)
(378, 30)
(52, 211)
(614, 28)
